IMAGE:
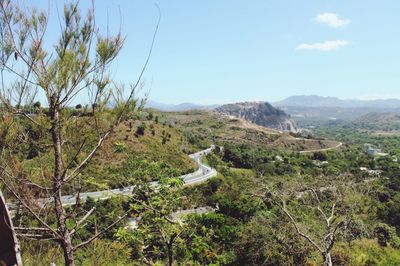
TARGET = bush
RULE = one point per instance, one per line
(320, 156)
(165, 136)
(386, 234)
(140, 129)
(37, 105)
(120, 147)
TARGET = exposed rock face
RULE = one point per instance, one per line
(260, 113)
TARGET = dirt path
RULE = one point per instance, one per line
(325, 149)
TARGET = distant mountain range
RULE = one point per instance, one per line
(309, 101)
(302, 107)
(178, 107)
(306, 107)
(319, 101)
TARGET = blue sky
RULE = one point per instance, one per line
(227, 50)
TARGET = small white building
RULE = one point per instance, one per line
(373, 151)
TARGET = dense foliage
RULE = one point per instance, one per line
(247, 229)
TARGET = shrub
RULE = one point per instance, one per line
(140, 129)
(37, 105)
(120, 147)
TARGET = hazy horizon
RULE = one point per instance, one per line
(267, 100)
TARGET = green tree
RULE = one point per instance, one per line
(78, 62)
(158, 231)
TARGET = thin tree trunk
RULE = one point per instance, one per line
(58, 182)
(66, 243)
(170, 254)
(327, 258)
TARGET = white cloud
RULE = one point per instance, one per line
(332, 20)
(323, 46)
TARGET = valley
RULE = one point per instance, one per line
(105, 159)
(152, 170)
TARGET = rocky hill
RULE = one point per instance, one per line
(260, 113)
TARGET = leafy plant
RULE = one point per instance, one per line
(119, 147)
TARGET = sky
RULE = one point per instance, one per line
(224, 51)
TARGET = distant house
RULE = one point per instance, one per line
(373, 151)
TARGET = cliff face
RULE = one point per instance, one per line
(260, 113)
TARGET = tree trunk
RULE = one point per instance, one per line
(327, 258)
(170, 254)
(58, 182)
(66, 243)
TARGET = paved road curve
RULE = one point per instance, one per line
(202, 174)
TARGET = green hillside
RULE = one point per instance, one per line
(141, 147)
(379, 121)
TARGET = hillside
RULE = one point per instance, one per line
(202, 128)
(94, 173)
(379, 121)
(136, 149)
(260, 113)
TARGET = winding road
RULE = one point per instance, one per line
(202, 174)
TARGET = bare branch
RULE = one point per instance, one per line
(319, 207)
(26, 206)
(37, 236)
(308, 238)
(84, 218)
(101, 232)
(24, 114)
(80, 167)
(282, 206)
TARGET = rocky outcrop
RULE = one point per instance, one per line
(260, 113)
